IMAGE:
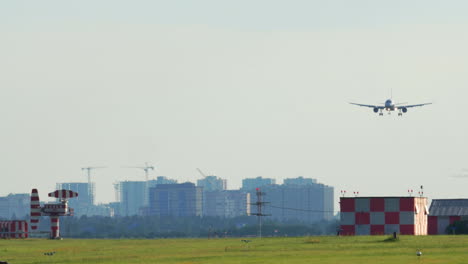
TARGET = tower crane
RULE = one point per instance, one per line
(201, 172)
(146, 168)
(210, 180)
(90, 187)
(88, 170)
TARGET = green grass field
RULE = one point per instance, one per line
(368, 249)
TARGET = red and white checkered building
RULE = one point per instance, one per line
(383, 215)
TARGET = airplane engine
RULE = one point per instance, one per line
(376, 110)
(404, 109)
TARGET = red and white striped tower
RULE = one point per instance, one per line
(59, 210)
(54, 227)
(53, 210)
(35, 209)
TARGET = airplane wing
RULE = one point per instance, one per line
(371, 106)
(415, 105)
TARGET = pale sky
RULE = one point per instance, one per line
(237, 88)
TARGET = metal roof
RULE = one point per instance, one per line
(449, 207)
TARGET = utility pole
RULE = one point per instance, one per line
(259, 213)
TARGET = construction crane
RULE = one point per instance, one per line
(146, 168)
(201, 172)
(90, 186)
(210, 180)
(88, 169)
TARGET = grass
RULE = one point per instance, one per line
(362, 249)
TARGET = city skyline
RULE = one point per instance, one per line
(242, 89)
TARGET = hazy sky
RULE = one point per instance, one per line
(237, 88)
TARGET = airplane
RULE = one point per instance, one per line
(389, 105)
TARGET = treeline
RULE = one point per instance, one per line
(173, 227)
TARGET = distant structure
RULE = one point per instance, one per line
(250, 184)
(161, 180)
(132, 197)
(309, 202)
(299, 181)
(212, 183)
(147, 168)
(444, 212)
(184, 199)
(383, 215)
(115, 209)
(91, 191)
(14, 206)
(226, 204)
(53, 210)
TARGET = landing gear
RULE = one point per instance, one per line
(400, 113)
(380, 114)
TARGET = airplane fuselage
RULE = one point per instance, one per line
(390, 105)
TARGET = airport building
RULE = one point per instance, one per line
(444, 212)
(183, 199)
(383, 215)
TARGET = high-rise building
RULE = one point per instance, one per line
(183, 199)
(226, 204)
(306, 203)
(15, 206)
(212, 183)
(250, 184)
(160, 180)
(299, 181)
(132, 197)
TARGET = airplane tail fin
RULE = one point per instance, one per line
(35, 209)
